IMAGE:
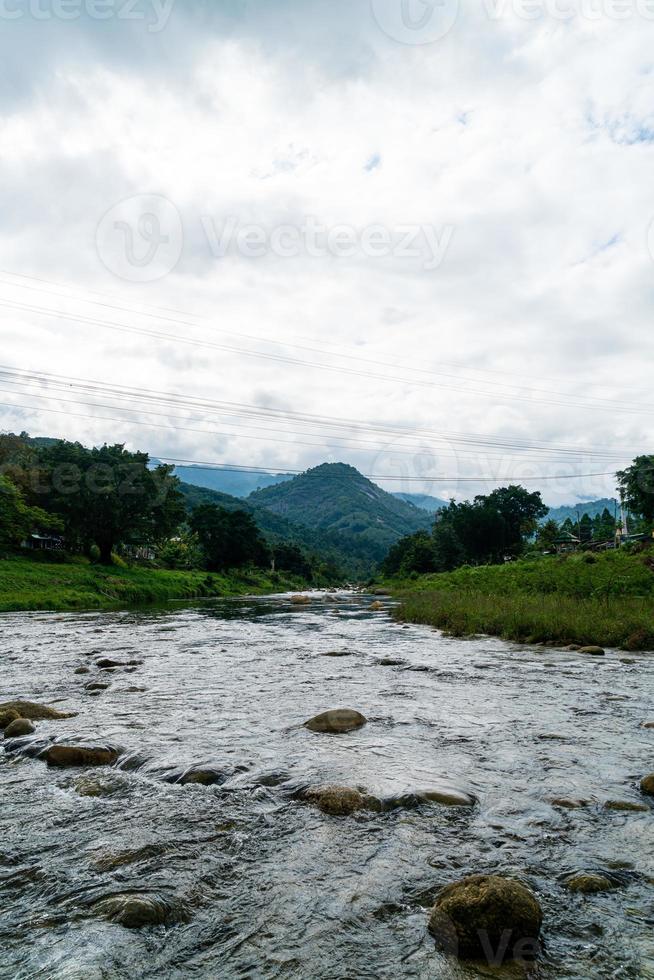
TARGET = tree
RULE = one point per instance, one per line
(521, 511)
(548, 536)
(18, 520)
(413, 553)
(229, 539)
(108, 496)
(636, 485)
(585, 529)
(291, 558)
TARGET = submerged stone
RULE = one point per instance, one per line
(339, 801)
(79, 755)
(625, 806)
(487, 915)
(107, 664)
(569, 804)
(35, 712)
(300, 600)
(135, 911)
(336, 721)
(19, 728)
(589, 883)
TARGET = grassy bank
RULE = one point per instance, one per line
(606, 599)
(27, 584)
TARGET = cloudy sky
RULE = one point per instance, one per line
(410, 235)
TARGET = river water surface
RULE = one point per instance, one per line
(265, 885)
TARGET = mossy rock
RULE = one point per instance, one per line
(336, 721)
(481, 913)
(19, 728)
(589, 883)
(67, 756)
(340, 801)
(7, 717)
(135, 911)
(35, 712)
(647, 784)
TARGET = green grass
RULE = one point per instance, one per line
(29, 584)
(606, 599)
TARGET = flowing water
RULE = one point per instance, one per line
(261, 884)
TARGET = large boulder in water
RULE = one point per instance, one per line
(35, 712)
(593, 651)
(336, 721)
(67, 756)
(19, 728)
(487, 916)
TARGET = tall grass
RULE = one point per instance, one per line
(607, 600)
(28, 584)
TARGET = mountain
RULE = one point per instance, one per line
(423, 501)
(590, 507)
(322, 546)
(336, 498)
(233, 482)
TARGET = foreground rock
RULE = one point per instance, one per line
(589, 884)
(486, 916)
(300, 600)
(647, 784)
(19, 728)
(7, 716)
(625, 806)
(443, 797)
(340, 801)
(33, 711)
(108, 664)
(135, 911)
(67, 756)
(337, 721)
(593, 651)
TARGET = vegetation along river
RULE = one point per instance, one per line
(249, 878)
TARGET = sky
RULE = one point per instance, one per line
(411, 235)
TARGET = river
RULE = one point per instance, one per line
(265, 885)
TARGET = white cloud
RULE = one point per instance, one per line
(533, 140)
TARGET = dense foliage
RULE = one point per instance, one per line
(491, 528)
(636, 485)
(228, 539)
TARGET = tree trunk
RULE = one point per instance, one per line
(105, 547)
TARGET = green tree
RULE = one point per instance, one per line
(108, 496)
(229, 539)
(521, 511)
(18, 520)
(585, 529)
(548, 535)
(636, 484)
(291, 558)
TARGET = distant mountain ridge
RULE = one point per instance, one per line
(337, 499)
(236, 483)
(423, 501)
(590, 507)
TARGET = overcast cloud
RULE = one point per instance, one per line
(446, 233)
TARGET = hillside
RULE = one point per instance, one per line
(324, 546)
(336, 498)
(423, 501)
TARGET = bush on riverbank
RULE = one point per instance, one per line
(602, 599)
(27, 584)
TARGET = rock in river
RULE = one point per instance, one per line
(134, 911)
(340, 801)
(7, 716)
(486, 915)
(19, 727)
(33, 711)
(593, 651)
(647, 784)
(336, 721)
(589, 883)
(107, 664)
(79, 755)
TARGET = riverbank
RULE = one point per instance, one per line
(605, 600)
(29, 585)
